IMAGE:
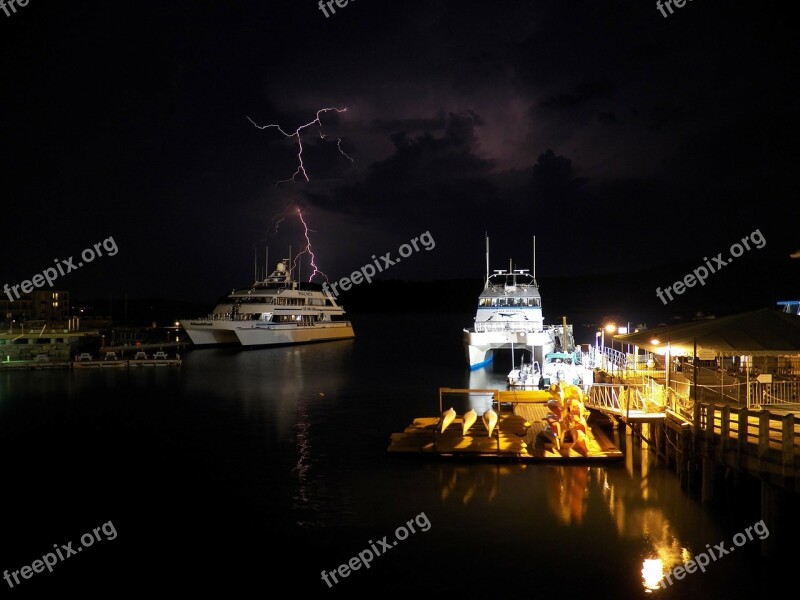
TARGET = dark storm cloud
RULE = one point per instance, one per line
(580, 95)
(413, 125)
(425, 173)
(557, 118)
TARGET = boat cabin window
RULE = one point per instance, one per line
(510, 301)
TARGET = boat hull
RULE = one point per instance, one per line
(210, 333)
(479, 346)
(490, 421)
(289, 334)
(469, 418)
(448, 417)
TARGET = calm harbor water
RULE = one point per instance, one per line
(246, 468)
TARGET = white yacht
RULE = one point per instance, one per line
(509, 315)
(275, 311)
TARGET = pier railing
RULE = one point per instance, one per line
(758, 440)
(622, 398)
(622, 364)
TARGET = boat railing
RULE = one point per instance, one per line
(500, 326)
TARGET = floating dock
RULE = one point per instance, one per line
(127, 364)
(518, 435)
(141, 359)
(34, 365)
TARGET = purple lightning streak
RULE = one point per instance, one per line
(301, 167)
(308, 249)
(277, 222)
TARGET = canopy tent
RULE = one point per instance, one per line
(762, 332)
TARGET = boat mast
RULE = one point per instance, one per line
(487, 260)
(534, 260)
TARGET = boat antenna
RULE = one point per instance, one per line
(534, 259)
(487, 259)
(255, 264)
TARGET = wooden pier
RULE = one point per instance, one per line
(516, 437)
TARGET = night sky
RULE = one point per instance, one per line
(621, 139)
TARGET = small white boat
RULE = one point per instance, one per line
(447, 417)
(526, 376)
(490, 420)
(469, 418)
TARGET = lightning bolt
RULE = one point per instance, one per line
(277, 222)
(308, 250)
(301, 167)
(279, 218)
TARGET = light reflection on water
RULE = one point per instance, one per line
(289, 445)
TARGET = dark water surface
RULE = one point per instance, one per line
(247, 472)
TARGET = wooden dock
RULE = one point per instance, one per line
(127, 363)
(517, 436)
(34, 365)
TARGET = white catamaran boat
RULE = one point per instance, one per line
(275, 311)
(509, 315)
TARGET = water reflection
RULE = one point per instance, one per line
(464, 483)
(625, 492)
(635, 505)
(568, 493)
(652, 573)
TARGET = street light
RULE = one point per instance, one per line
(610, 328)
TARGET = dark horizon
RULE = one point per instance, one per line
(621, 297)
